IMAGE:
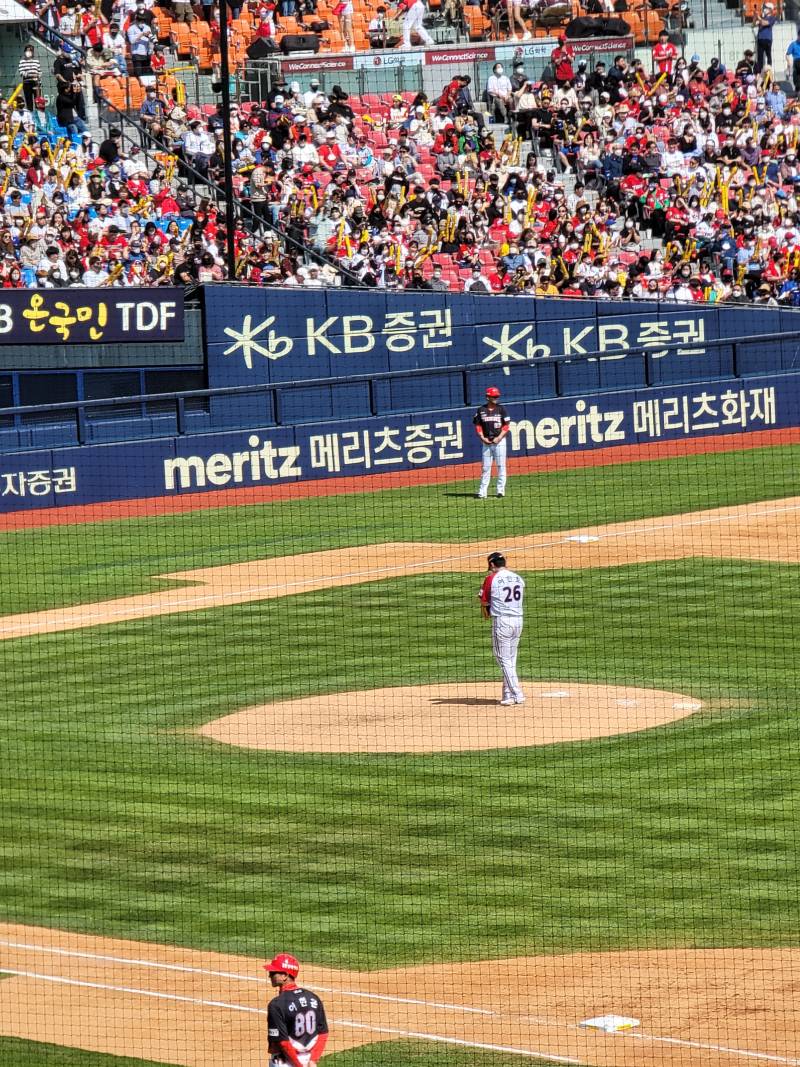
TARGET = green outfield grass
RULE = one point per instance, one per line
(58, 565)
(118, 820)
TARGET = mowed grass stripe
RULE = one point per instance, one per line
(59, 565)
(119, 822)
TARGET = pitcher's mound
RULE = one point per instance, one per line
(448, 718)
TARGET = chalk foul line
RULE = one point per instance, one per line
(531, 1053)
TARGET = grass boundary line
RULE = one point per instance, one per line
(179, 600)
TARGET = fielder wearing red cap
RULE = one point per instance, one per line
(492, 422)
(296, 1023)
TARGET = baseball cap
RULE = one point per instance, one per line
(496, 558)
(283, 963)
(493, 391)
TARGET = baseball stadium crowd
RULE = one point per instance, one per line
(677, 183)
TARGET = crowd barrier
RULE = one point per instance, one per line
(269, 455)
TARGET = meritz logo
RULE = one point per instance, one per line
(261, 461)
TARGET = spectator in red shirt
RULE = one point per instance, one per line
(664, 54)
(561, 57)
(329, 153)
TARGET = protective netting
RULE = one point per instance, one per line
(275, 727)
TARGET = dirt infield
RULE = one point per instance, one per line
(697, 1009)
(449, 718)
(765, 531)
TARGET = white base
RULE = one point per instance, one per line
(610, 1024)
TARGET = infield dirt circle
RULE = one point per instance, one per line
(449, 718)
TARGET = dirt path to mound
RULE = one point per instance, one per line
(449, 718)
(697, 1009)
(765, 531)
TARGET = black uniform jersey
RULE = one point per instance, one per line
(295, 1014)
(491, 420)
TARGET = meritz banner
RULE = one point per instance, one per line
(259, 456)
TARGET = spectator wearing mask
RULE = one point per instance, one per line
(30, 75)
(477, 283)
(500, 94)
(141, 40)
(117, 45)
(562, 57)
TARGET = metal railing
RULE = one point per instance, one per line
(81, 410)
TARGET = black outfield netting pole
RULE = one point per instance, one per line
(230, 247)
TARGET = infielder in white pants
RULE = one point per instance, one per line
(501, 596)
(493, 453)
(413, 14)
(492, 423)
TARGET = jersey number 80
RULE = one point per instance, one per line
(305, 1023)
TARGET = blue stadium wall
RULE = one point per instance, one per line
(687, 387)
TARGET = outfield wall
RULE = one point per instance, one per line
(247, 337)
(267, 336)
(690, 384)
(264, 455)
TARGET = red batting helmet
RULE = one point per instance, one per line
(283, 963)
(493, 391)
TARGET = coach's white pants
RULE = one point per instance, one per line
(505, 642)
(304, 1055)
(493, 454)
(412, 20)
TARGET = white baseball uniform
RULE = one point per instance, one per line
(412, 21)
(503, 593)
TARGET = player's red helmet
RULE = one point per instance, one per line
(493, 391)
(283, 963)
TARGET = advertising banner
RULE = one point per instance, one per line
(386, 60)
(317, 65)
(90, 316)
(437, 57)
(263, 456)
(265, 336)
